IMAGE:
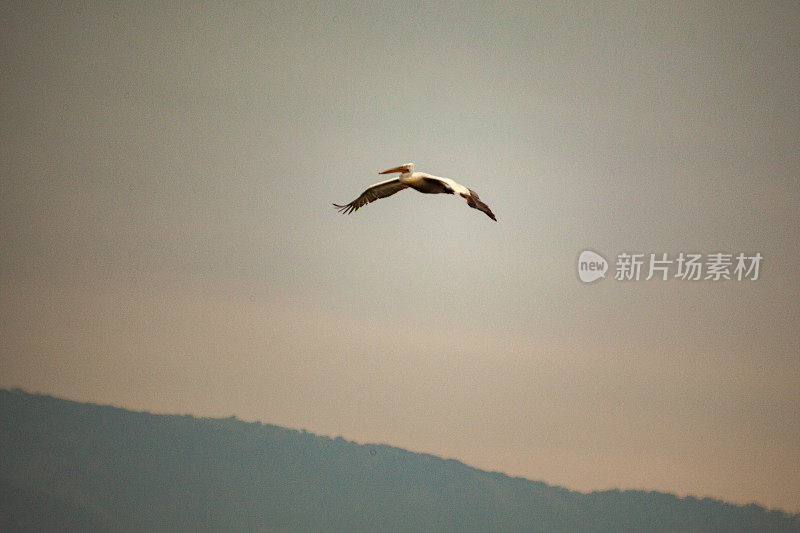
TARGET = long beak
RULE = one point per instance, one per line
(395, 169)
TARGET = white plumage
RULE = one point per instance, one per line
(419, 181)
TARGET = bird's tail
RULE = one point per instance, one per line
(475, 202)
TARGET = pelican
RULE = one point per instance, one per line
(419, 181)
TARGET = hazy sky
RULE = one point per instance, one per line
(168, 242)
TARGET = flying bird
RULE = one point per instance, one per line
(419, 181)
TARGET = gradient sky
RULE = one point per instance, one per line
(168, 242)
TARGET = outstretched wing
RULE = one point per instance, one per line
(374, 192)
(433, 184)
(475, 202)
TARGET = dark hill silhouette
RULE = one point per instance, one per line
(84, 467)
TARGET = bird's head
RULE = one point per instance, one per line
(408, 167)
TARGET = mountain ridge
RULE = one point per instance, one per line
(85, 466)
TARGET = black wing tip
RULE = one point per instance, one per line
(345, 209)
(474, 201)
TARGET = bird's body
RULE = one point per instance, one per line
(419, 181)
